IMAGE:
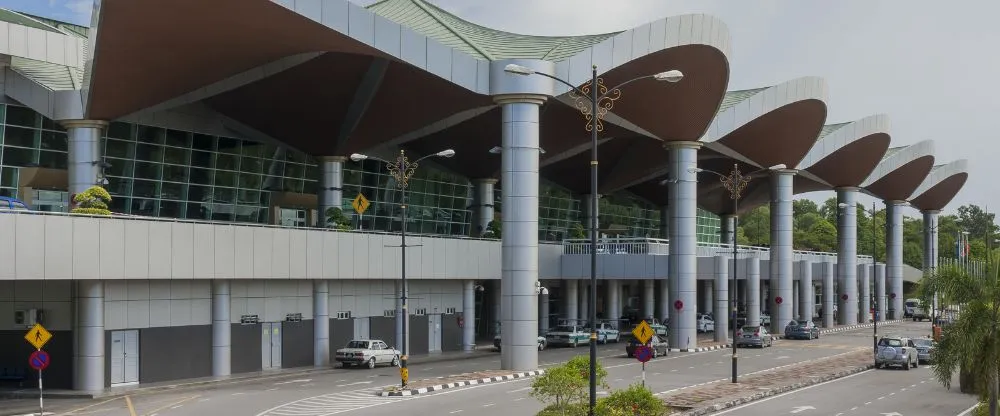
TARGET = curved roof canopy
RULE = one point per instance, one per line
(901, 171)
(845, 154)
(941, 186)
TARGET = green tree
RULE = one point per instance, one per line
(979, 223)
(93, 201)
(493, 229)
(336, 219)
(559, 387)
(577, 231)
(801, 207)
(635, 400)
(756, 226)
(820, 236)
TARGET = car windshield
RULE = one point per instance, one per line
(803, 323)
(751, 328)
(890, 343)
(923, 342)
(911, 304)
(564, 328)
(357, 344)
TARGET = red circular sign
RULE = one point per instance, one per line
(678, 304)
(39, 360)
(778, 300)
(643, 353)
(844, 296)
(892, 295)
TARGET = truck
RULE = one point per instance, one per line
(915, 309)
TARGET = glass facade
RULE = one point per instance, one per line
(172, 173)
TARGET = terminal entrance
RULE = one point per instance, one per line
(270, 345)
(124, 357)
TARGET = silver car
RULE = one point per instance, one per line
(925, 346)
(896, 351)
(369, 352)
(753, 336)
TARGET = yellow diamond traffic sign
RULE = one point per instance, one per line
(642, 332)
(38, 336)
(360, 204)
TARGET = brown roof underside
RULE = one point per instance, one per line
(851, 164)
(574, 172)
(940, 195)
(899, 184)
(782, 136)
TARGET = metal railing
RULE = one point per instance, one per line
(661, 247)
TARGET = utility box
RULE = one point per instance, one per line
(28, 317)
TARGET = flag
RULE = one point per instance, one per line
(968, 249)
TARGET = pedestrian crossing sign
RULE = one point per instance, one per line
(643, 332)
(38, 336)
(360, 204)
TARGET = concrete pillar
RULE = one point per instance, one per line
(84, 159)
(847, 255)
(781, 247)
(728, 230)
(864, 292)
(664, 310)
(89, 365)
(321, 323)
(331, 185)
(752, 272)
(894, 257)
(708, 298)
(648, 297)
(494, 296)
(469, 315)
(828, 293)
(683, 261)
(543, 313)
(723, 305)
(570, 295)
(807, 293)
(931, 249)
(796, 300)
(483, 203)
(221, 338)
(614, 307)
(763, 296)
(583, 312)
(586, 206)
(880, 295)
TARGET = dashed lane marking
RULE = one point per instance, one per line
(331, 404)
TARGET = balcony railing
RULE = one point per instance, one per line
(660, 247)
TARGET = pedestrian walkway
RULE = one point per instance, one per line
(333, 403)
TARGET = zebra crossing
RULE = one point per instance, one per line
(333, 403)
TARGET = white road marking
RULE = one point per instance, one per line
(239, 393)
(333, 403)
(455, 411)
(272, 389)
(733, 409)
(305, 380)
(523, 389)
(488, 404)
(355, 383)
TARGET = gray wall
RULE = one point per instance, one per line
(419, 326)
(451, 334)
(385, 329)
(341, 332)
(172, 353)
(296, 344)
(245, 352)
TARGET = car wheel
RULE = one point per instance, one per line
(916, 363)
(575, 343)
(371, 363)
(656, 353)
(541, 346)
(908, 366)
(395, 361)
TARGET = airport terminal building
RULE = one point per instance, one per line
(225, 144)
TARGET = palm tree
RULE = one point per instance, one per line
(971, 343)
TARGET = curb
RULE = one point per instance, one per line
(773, 392)
(414, 392)
(848, 328)
(701, 349)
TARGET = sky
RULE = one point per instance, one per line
(929, 65)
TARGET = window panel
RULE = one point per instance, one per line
(118, 148)
(121, 131)
(175, 155)
(177, 138)
(148, 134)
(145, 188)
(13, 156)
(146, 170)
(17, 136)
(52, 160)
(53, 140)
(21, 116)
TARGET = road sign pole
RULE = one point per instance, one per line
(644, 374)
(41, 400)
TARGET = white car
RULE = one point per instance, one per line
(705, 323)
(607, 333)
(370, 352)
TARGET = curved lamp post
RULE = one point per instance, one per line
(402, 170)
(594, 100)
(874, 297)
(735, 182)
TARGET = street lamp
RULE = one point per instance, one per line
(874, 296)
(736, 182)
(402, 169)
(594, 100)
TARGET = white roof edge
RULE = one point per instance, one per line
(845, 135)
(763, 102)
(940, 174)
(652, 37)
(898, 159)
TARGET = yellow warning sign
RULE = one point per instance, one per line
(38, 336)
(360, 204)
(404, 373)
(642, 332)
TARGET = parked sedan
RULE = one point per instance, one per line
(705, 323)
(606, 332)
(801, 330)
(567, 335)
(753, 336)
(370, 352)
(896, 351)
(925, 346)
(656, 343)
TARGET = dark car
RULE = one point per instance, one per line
(801, 330)
(925, 346)
(657, 344)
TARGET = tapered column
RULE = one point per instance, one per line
(708, 295)
(781, 248)
(752, 270)
(483, 203)
(723, 305)
(807, 294)
(648, 297)
(894, 257)
(469, 316)
(583, 313)
(829, 292)
(221, 337)
(331, 185)
(519, 240)
(796, 300)
(85, 161)
(683, 261)
(864, 292)
(89, 365)
(763, 292)
(614, 300)
(570, 298)
(728, 230)
(847, 255)
(664, 309)
(880, 295)
(321, 323)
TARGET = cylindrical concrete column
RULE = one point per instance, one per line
(723, 304)
(543, 313)
(586, 205)
(880, 295)
(752, 271)
(569, 298)
(583, 311)
(495, 315)
(763, 296)
(614, 299)
(864, 292)
(796, 300)
(728, 230)
(469, 315)
(781, 248)
(221, 336)
(683, 261)
(648, 297)
(331, 185)
(894, 257)
(484, 210)
(847, 255)
(708, 295)
(664, 309)
(89, 375)
(807, 294)
(321, 323)
(85, 159)
(519, 240)
(828, 293)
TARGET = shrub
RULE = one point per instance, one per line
(581, 365)
(560, 386)
(577, 231)
(493, 230)
(574, 409)
(636, 400)
(336, 219)
(93, 201)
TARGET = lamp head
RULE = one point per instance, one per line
(696, 170)
(842, 205)
(446, 153)
(518, 70)
(669, 76)
(357, 157)
(779, 166)
(496, 150)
